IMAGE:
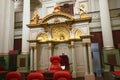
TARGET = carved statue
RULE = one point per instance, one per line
(35, 18)
(62, 37)
(57, 8)
(82, 11)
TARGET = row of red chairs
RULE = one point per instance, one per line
(59, 75)
(55, 68)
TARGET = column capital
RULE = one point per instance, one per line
(108, 48)
(71, 46)
(86, 43)
(50, 47)
(33, 47)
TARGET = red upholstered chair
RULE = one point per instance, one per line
(35, 76)
(13, 76)
(116, 74)
(55, 64)
(2, 69)
(62, 75)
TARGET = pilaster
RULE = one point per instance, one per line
(73, 59)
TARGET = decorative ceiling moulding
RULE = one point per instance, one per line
(64, 2)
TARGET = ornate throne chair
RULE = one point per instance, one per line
(55, 64)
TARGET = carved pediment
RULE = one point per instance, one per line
(59, 15)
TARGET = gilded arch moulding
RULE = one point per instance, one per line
(53, 15)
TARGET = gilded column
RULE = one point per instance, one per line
(25, 29)
(73, 59)
(106, 25)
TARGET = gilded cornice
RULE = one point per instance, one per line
(86, 36)
(53, 41)
(32, 41)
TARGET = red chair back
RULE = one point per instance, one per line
(35, 76)
(62, 75)
(13, 76)
(55, 64)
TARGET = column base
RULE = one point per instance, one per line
(108, 48)
(31, 68)
(74, 74)
(25, 52)
(89, 77)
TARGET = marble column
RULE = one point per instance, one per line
(73, 59)
(50, 52)
(2, 16)
(25, 29)
(85, 58)
(35, 58)
(31, 58)
(90, 58)
(89, 72)
(6, 25)
(92, 5)
(106, 25)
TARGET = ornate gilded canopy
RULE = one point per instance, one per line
(58, 27)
